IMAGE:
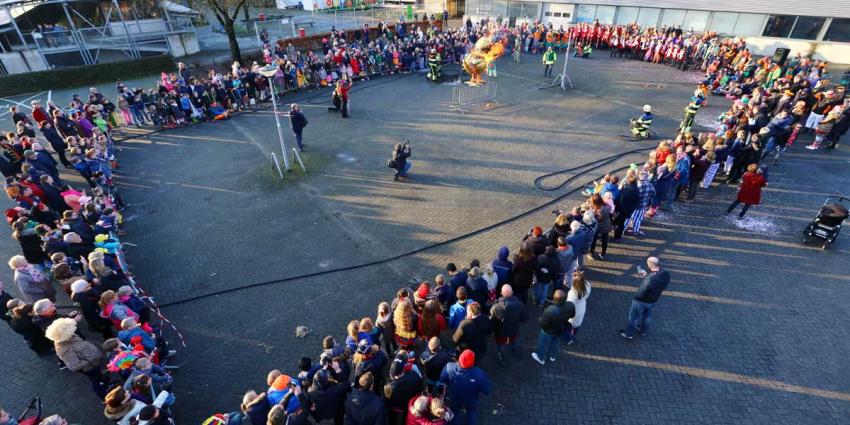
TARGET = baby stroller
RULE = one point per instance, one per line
(32, 414)
(828, 222)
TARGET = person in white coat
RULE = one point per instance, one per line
(578, 296)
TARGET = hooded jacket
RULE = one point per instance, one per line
(364, 408)
(465, 385)
(502, 266)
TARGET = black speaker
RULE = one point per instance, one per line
(780, 55)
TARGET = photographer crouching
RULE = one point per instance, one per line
(399, 161)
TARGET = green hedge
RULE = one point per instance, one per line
(78, 76)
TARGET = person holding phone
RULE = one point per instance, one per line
(655, 281)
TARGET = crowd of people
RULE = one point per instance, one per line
(419, 360)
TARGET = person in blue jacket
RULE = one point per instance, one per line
(465, 383)
(502, 266)
(683, 170)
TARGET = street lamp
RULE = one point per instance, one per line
(269, 71)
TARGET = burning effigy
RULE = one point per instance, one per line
(486, 50)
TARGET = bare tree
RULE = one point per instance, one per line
(226, 12)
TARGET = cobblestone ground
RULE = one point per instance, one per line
(752, 329)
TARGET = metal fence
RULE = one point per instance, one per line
(465, 96)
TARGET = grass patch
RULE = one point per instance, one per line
(269, 178)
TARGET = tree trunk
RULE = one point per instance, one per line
(235, 53)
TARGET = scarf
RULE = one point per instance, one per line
(32, 272)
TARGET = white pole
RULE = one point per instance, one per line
(566, 58)
(279, 129)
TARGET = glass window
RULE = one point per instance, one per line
(648, 16)
(627, 15)
(605, 14)
(723, 22)
(839, 30)
(531, 11)
(749, 24)
(514, 9)
(807, 27)
(779, 26)
(500, 8)
(696, 20)
(585, 13)
(547, 14)
(672, 17)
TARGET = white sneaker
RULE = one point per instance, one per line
(537, 359)
(551, 359)
(170, 354)
(811, 147)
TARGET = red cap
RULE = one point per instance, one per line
(466, 359)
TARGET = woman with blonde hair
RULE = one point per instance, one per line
(404, 319)
(578, 296)
(77, 354)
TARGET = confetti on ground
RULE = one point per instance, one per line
(759, 225)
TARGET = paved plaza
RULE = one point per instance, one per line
(753, 329)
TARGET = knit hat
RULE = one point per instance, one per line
(61, 329)
(466, 359)
(363, 346)
(281, 382)
(422, 291)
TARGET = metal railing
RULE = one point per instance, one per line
(465, 96)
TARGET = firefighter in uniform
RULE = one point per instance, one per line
(691, 111)
(640, 126)
(434, 65)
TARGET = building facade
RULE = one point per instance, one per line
(820, 28)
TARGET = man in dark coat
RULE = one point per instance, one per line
(327, 397)
(628, 202)
(64, 125)
(506, 315)
(404, 383)
(554, 322)
(472, 332)
(654, 283)
(502, 266)
(363, 406)
(298, 121)
(56, 141)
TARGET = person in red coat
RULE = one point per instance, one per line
(749, 193)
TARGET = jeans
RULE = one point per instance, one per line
(471, 411)
(298, 139)
(138, 115)
(600, 237)
(735, 204)
(541, 290)
(547, 71)
(547, 346)
(402, 172)
(640, 315)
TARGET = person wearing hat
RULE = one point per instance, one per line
(370, 359)
(77, 354)
(536, 240)
(279, 388)
(120, 407)
(691, 111)
(405, 382)
(363, 406)
(434, 65)
(466, 383)
(327, 396)
(640, 126)
(298, 121)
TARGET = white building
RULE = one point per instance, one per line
(817, 27)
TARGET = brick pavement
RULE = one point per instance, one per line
(735, 341)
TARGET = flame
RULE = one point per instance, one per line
(486, 50)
